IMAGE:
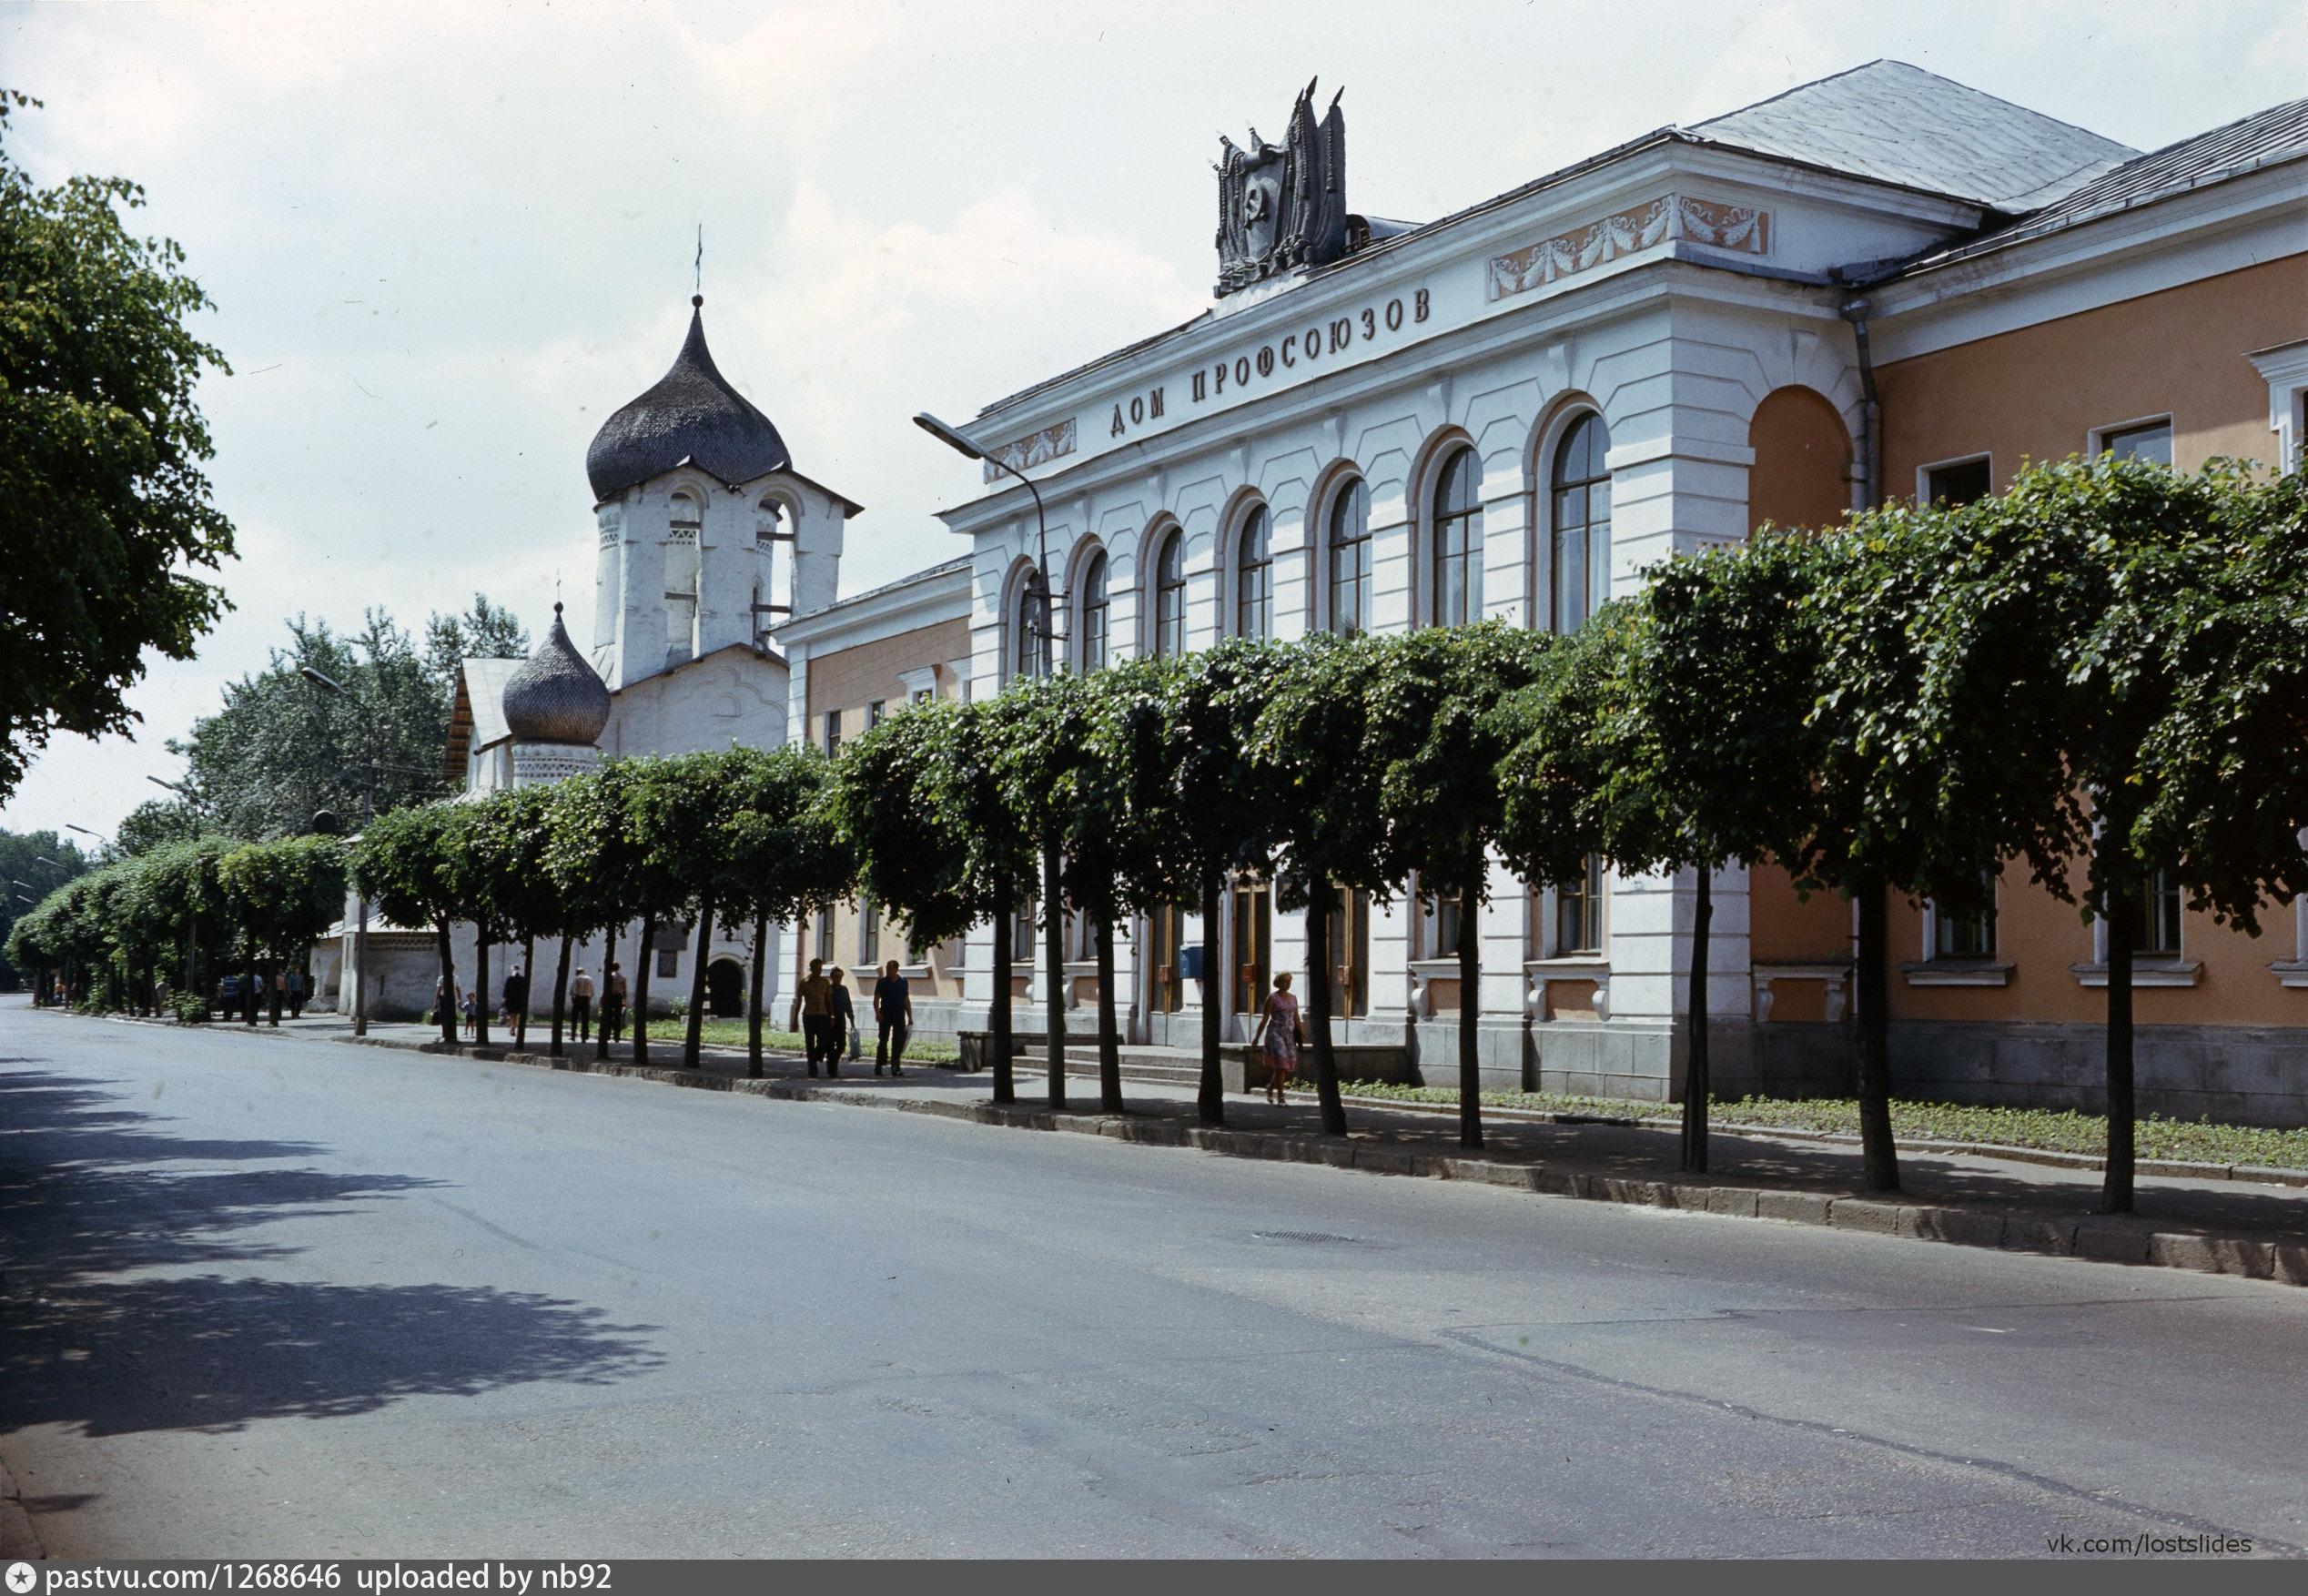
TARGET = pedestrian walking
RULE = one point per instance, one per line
(813, 1005)
(472, 1015)
(841, 1023)
(581, 1005)
(1278, 1027)
(613, 1004)
(296, 994)
(892, 1018)
(516, 997)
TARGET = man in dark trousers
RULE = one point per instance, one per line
(517, 1003)
(813, 1000)
(894, 1015)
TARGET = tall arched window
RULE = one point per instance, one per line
(1458, 542)
(1094, 613)
(1254, 578)
(1351, 559)
(1582, 497)
(1027, 628)
(1169, 595)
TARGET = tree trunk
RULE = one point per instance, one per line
(272, 991)
(600, 993)
(753, 1008)
(480, 984)
(1696, 1086)
(1211, 1099)
(445, 1010)
(1109, 1031)
(528, 985)
(2115, 1194)
(641, 991)
(695, 1038)
(248, 1004)
(997, 1012)
(1880, 1152)
(1319, 957)
(1470, 1012)
(561, 990)
(1054, 993)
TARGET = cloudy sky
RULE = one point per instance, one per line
(445, 242)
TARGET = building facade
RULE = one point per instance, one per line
(1883, 283)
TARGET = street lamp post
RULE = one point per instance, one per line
(1038, 596)
(367, 813)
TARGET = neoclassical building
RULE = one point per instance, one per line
(1878, 284)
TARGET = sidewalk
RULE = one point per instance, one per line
(2226, 1226)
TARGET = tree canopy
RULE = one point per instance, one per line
(101, 446)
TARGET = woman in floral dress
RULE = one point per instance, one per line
(1278, 1027)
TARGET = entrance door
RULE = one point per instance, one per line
(1168, 925)
(726, 989)
(1253, 955)
(1351, 955)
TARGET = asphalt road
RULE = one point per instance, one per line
(265, 1296)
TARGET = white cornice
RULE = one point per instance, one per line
(2185, 238)
(924, 599)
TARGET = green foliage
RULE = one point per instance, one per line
(1568, 792)
(20, 856)
(907, 795)
(156, 824)
(282, 747)
(2052, 668)
(1321, 767)
(778, 848)
(100, 451)
(1430, 708)
(486, 631)
(284, 893)
(2227, 765)
(403, 863)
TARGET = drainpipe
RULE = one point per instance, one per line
(1855, 311)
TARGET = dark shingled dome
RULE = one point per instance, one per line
(693, 414)
(555, 696)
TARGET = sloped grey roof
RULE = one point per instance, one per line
(2277, 134)
(555, 696)
(485, 691)
(691, 415)
(1900, 124)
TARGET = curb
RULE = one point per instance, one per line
(2110, 1238)
(18, 1540)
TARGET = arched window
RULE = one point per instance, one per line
(1169, 595)
(1582, 497)
(1254, 578)
(1458, 542)
(1027, 627)
(1351, 559)
(1094, 613)
(685, 514)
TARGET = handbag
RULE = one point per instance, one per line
(857, 1045)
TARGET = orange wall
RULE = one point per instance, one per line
(1801, 475)
(850, 679)
(2038, 393)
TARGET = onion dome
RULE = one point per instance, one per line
(691, 416)
(555, 696)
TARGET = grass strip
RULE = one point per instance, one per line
(2045, 1129)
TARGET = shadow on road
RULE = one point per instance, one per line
(91, 1189)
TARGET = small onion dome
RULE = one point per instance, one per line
(555, 696)
(691, 415)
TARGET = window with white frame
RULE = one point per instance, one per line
(1965, 936)
(1958, 483)
(2157, 935)
(1169, 594)
(1254, 578)
(1580, 497)
(1458, 540)
(1578, 912)
(1350, 559)
(1096, 611)
(2147, 440)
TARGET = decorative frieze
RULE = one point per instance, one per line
(1052, 443)
(1743, 228)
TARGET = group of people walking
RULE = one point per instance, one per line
(244, 994)
(826, 1017)
(513, 1007)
